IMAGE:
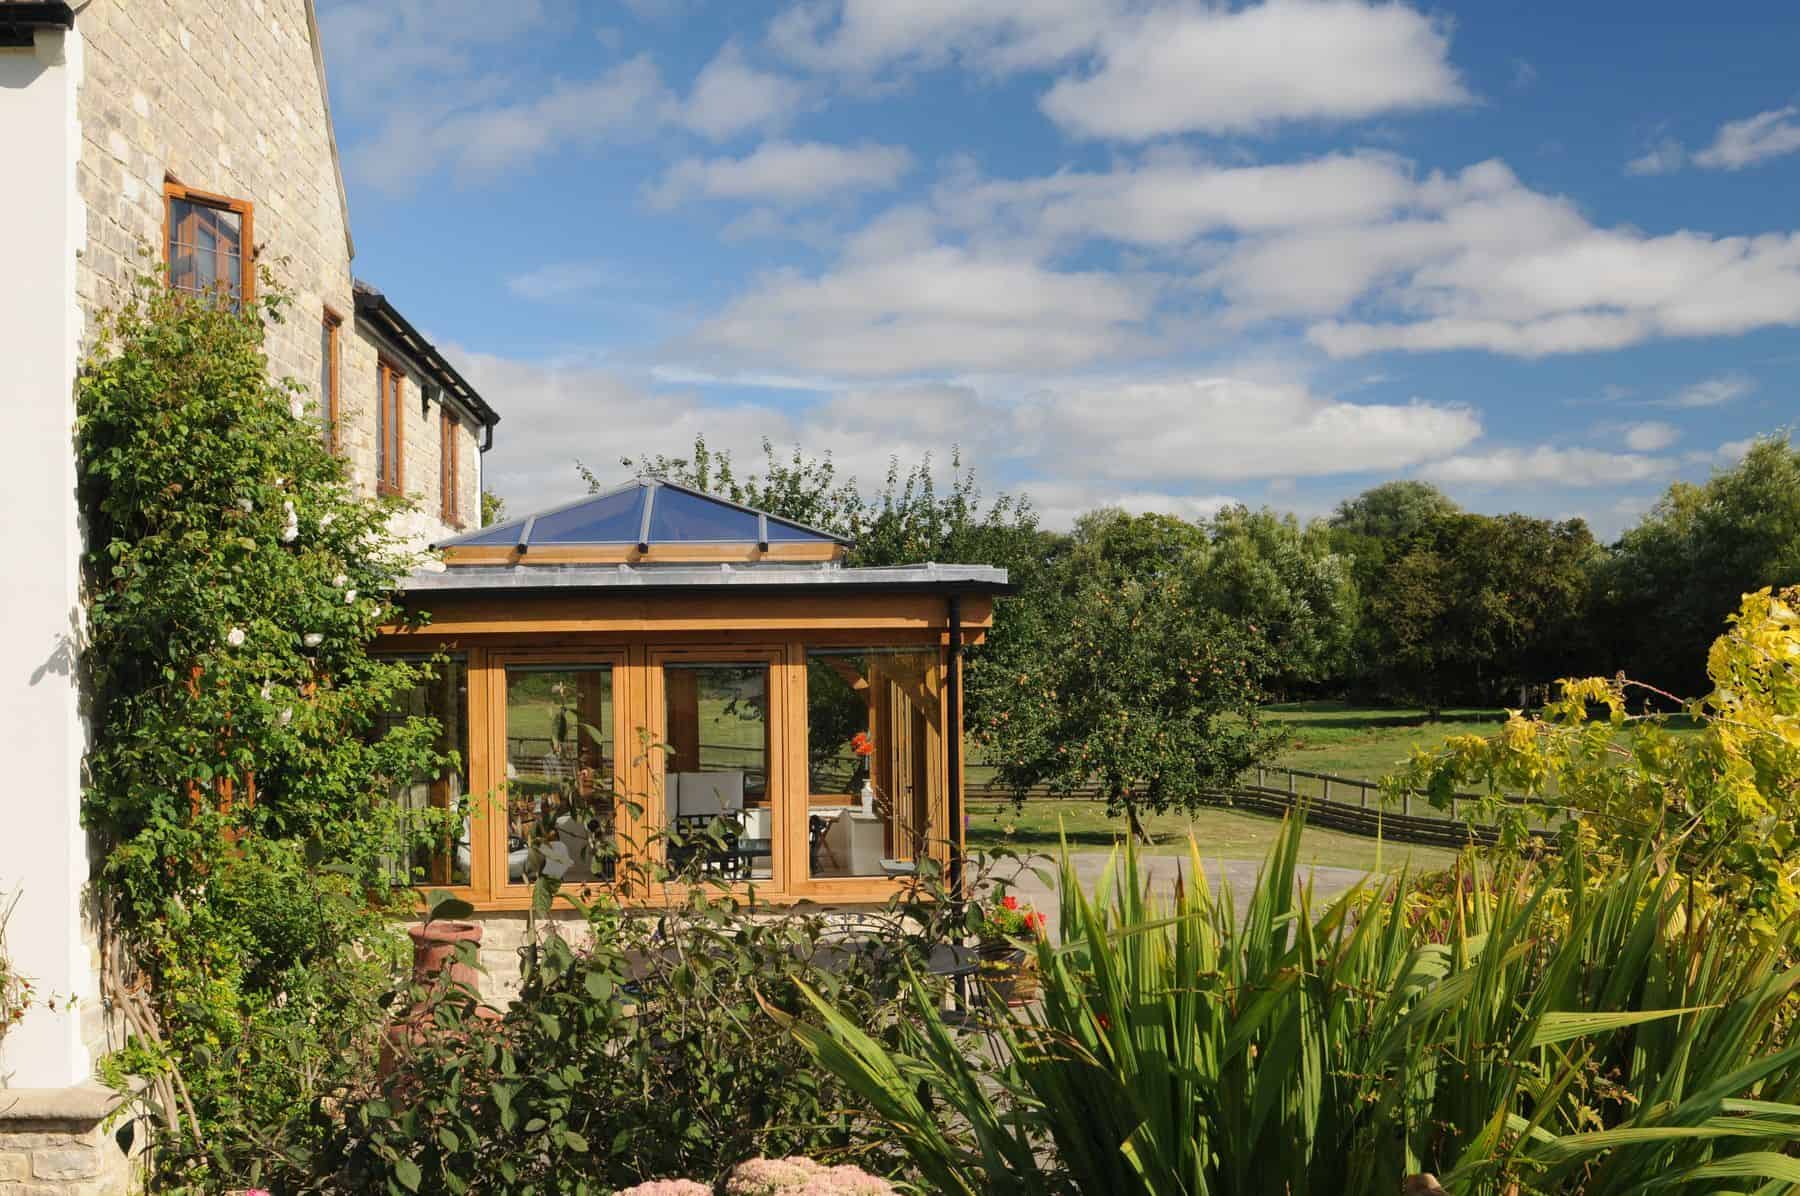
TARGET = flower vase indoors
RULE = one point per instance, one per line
(864, 747)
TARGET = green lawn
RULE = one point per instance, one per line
(1366, 741)
(1371, 741)
(1222, 834)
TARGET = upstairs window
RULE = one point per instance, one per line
(209, 244)
(329, 325)
(389, 415)
(450, 467)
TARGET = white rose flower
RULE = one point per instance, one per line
(312, 639)
(267, 693)
(246, 506)
(339, 581)
(287, 716)
(290, 530)
(235, 637)
(349, 597)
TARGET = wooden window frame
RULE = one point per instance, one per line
(450, 467)
(390, 415)
(246, 212)
(332, 368)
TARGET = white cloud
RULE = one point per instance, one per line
(1712, 392)
(898, 307)
(784, 172)
(562, 279)
(1135, 71)
(1746, 142)
(1483, 262)
(1651, 436)
(1218, 70)
(730, 96)
(868, 37)
(1167, 202)
(377, 50)
(1546, 465)
(1235, 428)
(1147, 445)
(626, 102)
(1059, 503)
(1665, 157)
(417, 68)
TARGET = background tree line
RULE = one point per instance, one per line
(1139, 649)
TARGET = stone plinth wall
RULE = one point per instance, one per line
(502, 937)
(59, 1142)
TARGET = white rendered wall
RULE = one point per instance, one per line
(43, 857)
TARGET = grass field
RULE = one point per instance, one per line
(1371, 741)
(1367, 741)
(1222, 834)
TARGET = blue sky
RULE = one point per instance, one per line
(1157, 253)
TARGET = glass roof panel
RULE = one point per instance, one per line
(501, 533)
(679, 517)
(604, 519)
(787, 533)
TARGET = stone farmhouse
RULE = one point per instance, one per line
(192, 136)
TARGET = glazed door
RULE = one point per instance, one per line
(562, 804)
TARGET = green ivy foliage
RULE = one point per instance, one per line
(237, 778)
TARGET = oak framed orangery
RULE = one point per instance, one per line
(654, 659)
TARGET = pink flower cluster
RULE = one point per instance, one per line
(803, 1177)
(776, 1177)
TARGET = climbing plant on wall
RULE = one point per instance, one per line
(249, 861)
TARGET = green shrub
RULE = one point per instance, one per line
(1626, 1042)
(646, 1051)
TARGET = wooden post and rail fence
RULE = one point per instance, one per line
(1354, 805)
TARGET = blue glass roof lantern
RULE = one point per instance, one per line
(643, 514)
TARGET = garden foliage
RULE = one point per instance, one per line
(640, 1047)
(236, 781)
(1721, 806)
(1565, 1033)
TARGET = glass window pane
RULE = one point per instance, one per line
(875, 759)
(443, 696)
(560, 794)
(327, 378)
(205, 249)
(716, 774)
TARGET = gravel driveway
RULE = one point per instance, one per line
(1162, 871)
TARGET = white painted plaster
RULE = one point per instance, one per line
(43, 857)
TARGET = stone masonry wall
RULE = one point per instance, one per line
(60, 1143)
(225, 96)
(502, 938)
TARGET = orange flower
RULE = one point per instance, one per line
(861, 744)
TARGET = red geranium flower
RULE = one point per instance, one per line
(1009, 901)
